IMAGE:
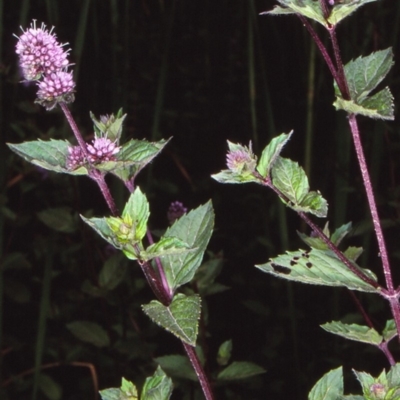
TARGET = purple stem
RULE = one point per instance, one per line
(160, 289)
(326, 240)
(338, 74)
(161, 271)
(74, 128)
(204, 382)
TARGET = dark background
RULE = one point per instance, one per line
(201, 72)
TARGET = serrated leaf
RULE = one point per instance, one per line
(309, 8)
(370, 384)
(194, 228)
(127, 391)
(50, 155)
(290, 179)
(102, 228)
(344, 9)
(378, 111)
(240, 370)
(109, 126)
(177, 366)
(390, 330)
(166, 246)
(359, 333)
(317, 267)
(228, 176)
(180, 317)
(329, 387)
(157, 387)
(340, 233)
(61, 219)
(133, 157)
(313, 203)
(271, 153)
(89, 332)
(137, 213)
(365, 73)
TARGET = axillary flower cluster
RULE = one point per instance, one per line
(45, 61)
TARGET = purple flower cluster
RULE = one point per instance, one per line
(175, 211)
(100, 150)
(44, 60)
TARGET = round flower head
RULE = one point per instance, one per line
(55, 88)
(102, 149)
(175, 211)
(75, 157)
(241, 160)
(40, 53)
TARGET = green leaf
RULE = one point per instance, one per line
(166, 246)
(50, 155)
(206, 275)
(317, 267)
(51, 389)
(365, 73)
(390, 330)
(109, 126)
(308, 8)
(240, 370)
(113, 272)
(290, 179)
(373, 388)
(136, 213)
(89, 332)
(329, 387)
(224, 353)
(157, 387)
(127, 391)
(195, 229)
(177, 366)
(271, 153)
(101, 226)
(180, 317)
(132, 158)
(344, 9)
(61, 219)
(228, 176)
(359, 333)
(379, 106)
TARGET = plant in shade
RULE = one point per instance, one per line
(324, 260)
(172, 261)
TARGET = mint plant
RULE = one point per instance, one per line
(325, 261)
(168, 263)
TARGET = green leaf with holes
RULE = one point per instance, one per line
(318, 267)
(180, 317)
(359, 333)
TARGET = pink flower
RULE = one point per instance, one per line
(40, 53)
(54, 88)
(102, 149)
(175, 211)
(75, 157)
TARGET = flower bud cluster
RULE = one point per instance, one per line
(44, 60)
